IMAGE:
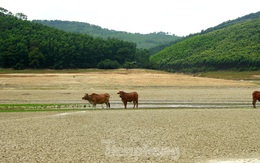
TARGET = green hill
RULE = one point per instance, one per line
(24, 44)
(145, 41)
(233, 45)
(225, 24)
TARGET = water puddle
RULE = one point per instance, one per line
(161, 104)
(68, 113)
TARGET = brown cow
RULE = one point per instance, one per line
(97, 99)
(256, 96)
(129, 97)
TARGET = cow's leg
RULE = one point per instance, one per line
(108, 104)
(134, 104)
(254, 101)
(94, 104)
(125, 103)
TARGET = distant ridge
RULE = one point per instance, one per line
(142, 40)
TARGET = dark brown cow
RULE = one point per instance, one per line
(97, 99)
(129, 97)
(256, 96)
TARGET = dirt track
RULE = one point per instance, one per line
(144, 135)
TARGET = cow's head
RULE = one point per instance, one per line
(86, 97)
(120, 93)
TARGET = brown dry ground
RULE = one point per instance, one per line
(141, 135)
(151, 86)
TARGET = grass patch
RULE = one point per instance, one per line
(39, 107)
(232, 75)
(32, 110)
(77, 107)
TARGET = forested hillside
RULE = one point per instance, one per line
(24, 44)
(235, 47)
(232, 45)
(225, 24)
(145, 41)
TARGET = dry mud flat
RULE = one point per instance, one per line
(145, 135)
(152, 86)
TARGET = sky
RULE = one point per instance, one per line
(179, 17)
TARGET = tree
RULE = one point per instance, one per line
(30, 45)
(36, 58)
(4, 11)
(21, 16)
(108, 64)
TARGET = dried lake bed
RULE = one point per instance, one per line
(181, 118)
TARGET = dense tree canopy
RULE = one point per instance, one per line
(231, 45)
(24, 44)
(234, 47)
(223, 25)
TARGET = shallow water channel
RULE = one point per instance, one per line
(169, 104)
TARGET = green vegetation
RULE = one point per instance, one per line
(144, 41)
(24, 44)
(41, 107)
(223, 25)
(232, 75)
(235, 47)
(26, 107)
